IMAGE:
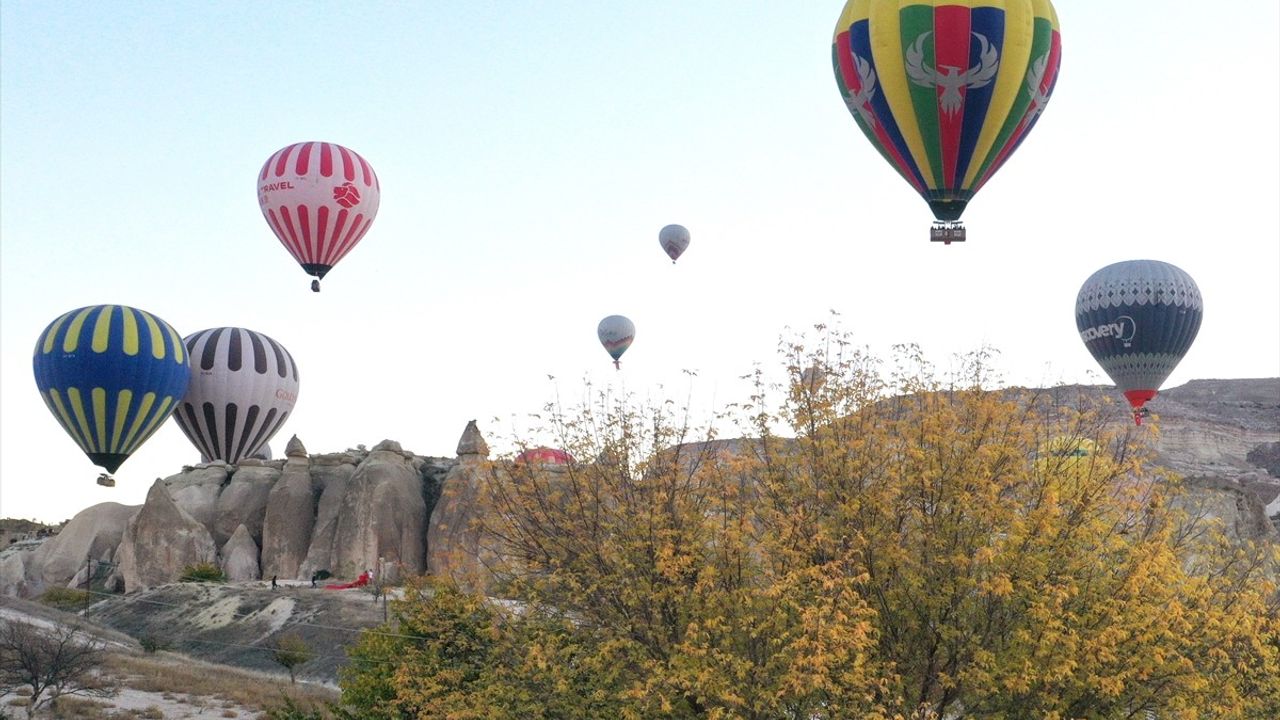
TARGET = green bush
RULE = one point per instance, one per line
(153, 643)
(202, 572)
(65, 598)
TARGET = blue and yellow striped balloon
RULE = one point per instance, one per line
(111, 375)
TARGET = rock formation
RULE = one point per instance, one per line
(160, 540)
(331, 474)
(196, 490)
(244, 502)
(454, 547)
(349, 511)
(290, 517)
(93, 534)
(240, 556)
(383, 515)
(13, 572)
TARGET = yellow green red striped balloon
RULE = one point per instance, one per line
(111, 375)
(946, 91)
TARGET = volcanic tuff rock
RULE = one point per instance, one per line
(383, 515)
(454, 547)
(244, 502)
(331, 477)
(291, 511)
(196, 490)
(160, 541)
(1212, 427)
(13, 572)
(240, 556)
(344, 511)
(93, 534)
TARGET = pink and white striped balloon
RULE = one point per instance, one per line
(319, 199)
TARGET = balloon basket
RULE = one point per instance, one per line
(947, 232)
(617, 364)
(106, 480)
(315, 286)
(1140, 413)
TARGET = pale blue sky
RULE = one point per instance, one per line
(530, 152)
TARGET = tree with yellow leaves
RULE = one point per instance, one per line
(887, 545)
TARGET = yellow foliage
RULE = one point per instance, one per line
(887, 545)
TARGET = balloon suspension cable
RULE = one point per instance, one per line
(315, 286)
(947, 232)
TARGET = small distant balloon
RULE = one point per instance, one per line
(616, 334)
(111, 375)
(243, 388)
(320, 199)
(1138, 318)
(545, 456)
(674, 240)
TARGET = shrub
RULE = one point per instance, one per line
(202, 572)
(291, 651)
(65, 598)
(153, 643)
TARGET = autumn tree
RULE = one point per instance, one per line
(291, 651)
(888, 542)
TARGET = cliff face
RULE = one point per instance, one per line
(1221, 428)
(361, 509)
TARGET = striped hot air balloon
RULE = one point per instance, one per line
(319, 199)
(111, 375)
(1138, 318)
(946, 91)
(243, 389)
(616, 333)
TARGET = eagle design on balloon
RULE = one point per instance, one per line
(952, 80)
(857, 100)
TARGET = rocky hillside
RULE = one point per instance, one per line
(392, 512)
(238, 623)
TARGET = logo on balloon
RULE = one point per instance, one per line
(346, 195)
(857, 100)
(1122, 328)
(949, 78)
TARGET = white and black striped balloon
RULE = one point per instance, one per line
(243, 388)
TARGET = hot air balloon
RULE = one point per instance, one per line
(1138, 318)
(243, 388)
(545, 456)
(111, 375)
(319, 199)
(674, 240)
(946, 93)
(616, 333)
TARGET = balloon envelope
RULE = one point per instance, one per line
(111, 375)
(545, 456)
(1138, 318)
(616, 334)
(319, 199)
(674, 240)
(946, 93)
(243, 388)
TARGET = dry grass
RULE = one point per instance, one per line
(211, 685)
(72, 707)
